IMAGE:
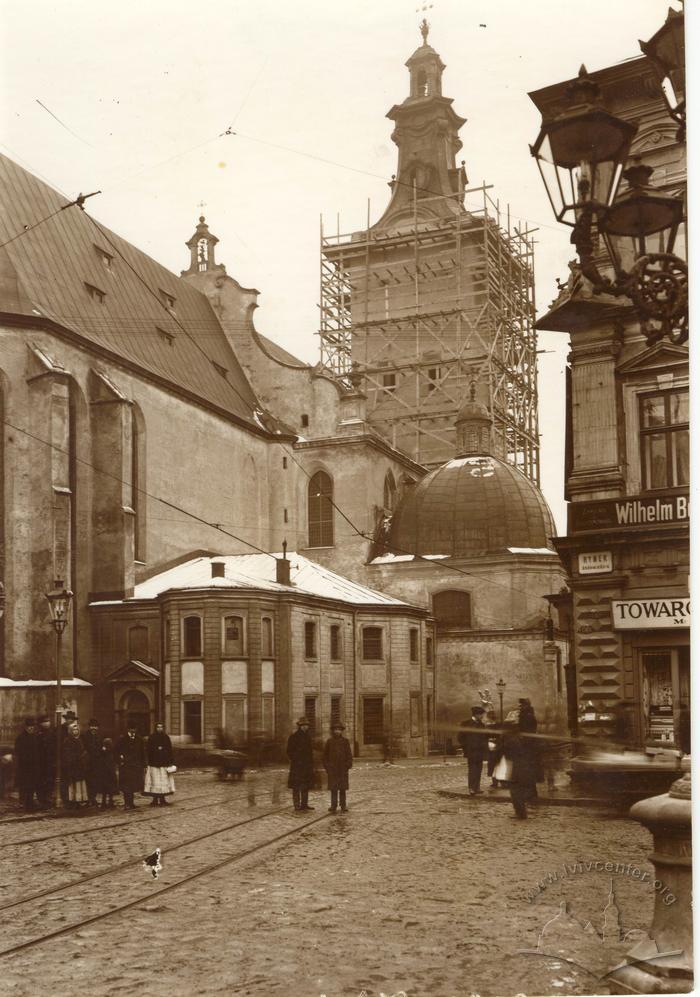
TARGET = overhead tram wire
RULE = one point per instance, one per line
(80, 201)
(156, 498)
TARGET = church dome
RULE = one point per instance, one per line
(472, 505)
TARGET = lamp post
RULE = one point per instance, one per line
(581, 154)
(501, 686)
(59, 605)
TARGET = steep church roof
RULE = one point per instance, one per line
(67, 271)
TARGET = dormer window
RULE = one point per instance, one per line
(219, 369)
(105, 258)
(167, 337)
(167, 299)
(95, 293)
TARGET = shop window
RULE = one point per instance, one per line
(413, 644)
(415, 714)
(192, 637)
(336, 710)
(320, 510)
(452, 609)
(665, 440)
(309, 639)
(234, 637)
(666, 696)
(267, 637)
(235, 720)
(192, 719)
(335, 642)
(372, 644)
(310, 713)
(373, 720)
(268, 716)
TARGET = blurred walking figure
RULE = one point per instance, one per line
(337, 761)
(74, 767)
(301, 764)
(27, 763)
(523, 752)
(159, 774)
(474, 746)
(92, 742)
(46, 735)
(131, 759)
(107, 783)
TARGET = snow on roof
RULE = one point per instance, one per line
(531, 550)
(393, 558)
(257, 571)
(6, 683)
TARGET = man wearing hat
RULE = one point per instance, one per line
(27, 763)
(130, 754)
(46, 738)
(301, 764)
(474, 746)
(92, 742)
(337, 761)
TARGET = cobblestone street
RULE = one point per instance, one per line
(409, 891)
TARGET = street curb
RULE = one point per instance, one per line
(542, 801)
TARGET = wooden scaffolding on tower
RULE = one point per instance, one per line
(422, 307)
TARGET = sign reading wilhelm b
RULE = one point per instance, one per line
(650, 614)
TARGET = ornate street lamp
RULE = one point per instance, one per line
(59, 600)
(501, 686)
(666, 52)
(581, 155)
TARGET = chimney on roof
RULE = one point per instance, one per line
(282, 567)
(218, 569)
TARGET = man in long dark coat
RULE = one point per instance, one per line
(131, 759)
(46, 736)
(301, 764)
(337, 761)
(27, 763)
(92, 742)
(523, 751)
(474, 746)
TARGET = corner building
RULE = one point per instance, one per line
(627, 472)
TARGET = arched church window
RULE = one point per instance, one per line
(452, 609)
(389, 492)
(320, 510)
(138, 482)
(423, 85)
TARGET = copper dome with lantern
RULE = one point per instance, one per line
(473, 505)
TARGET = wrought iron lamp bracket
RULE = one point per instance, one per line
(657, 285)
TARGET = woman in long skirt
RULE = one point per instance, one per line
(159, 781)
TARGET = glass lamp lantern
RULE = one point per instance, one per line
(641, 221)
(581, 152)
(59, 599)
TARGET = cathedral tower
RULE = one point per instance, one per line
(435, 295)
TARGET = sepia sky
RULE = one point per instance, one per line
(144, 90)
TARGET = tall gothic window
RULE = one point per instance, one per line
(138, 474)
(320, 510)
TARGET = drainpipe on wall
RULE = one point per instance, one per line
(355, 738)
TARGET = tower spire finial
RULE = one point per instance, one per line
(424, 29)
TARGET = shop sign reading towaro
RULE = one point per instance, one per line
(650, 614)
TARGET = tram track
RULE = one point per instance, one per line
(143, 897)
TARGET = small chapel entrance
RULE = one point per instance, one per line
(135, 711)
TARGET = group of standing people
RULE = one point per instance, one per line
(91, 765)
(337, 761)
(510, 750)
